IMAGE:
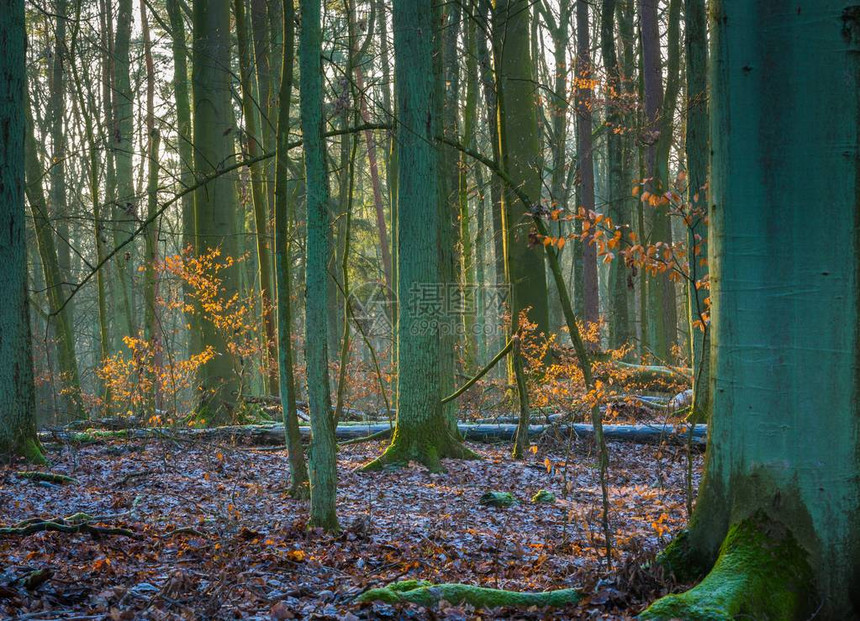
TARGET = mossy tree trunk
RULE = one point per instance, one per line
(520, 157)
(17, 394)
(786, 295)
(287, 384)
(215, 204)
(181, 94)
(421, 432)
(323, 449)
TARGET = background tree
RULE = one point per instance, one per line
(215, 204)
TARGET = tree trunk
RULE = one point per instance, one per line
(61, 320)
(421, 432)
(152, 324)
(125, 209)
(520, 154)
(697, 200)
(657, 137)
(323, 453)
(287, 384)
(17, 394)
(781, 490)
(215, 204)
(617, 192)
(586, 158)
(259, 198)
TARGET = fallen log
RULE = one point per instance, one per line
(273, 434)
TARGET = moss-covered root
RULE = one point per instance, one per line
(761, 573)
(429, 453)
(427, 594)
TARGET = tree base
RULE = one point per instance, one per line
(425, 451)
(427, 594)
(761, 573)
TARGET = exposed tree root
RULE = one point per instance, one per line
(427, 594)
(761, 573)
(77, 523)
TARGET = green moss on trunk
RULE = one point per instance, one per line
(761, 573)
(427, 594)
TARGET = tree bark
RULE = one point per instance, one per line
(323, 453)
(216, 204)
(520, 155)
(287, 384)
(774, 473)
(421, 432)
(17, 393)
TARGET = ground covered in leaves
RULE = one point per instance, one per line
(216, 536)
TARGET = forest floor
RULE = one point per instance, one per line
(217, 536)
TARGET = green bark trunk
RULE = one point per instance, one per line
(520, 154)
(287, 384)
(421, 432)
(591, 301)
(784, 286)
(184, 147)
(215, 204)
(17, 394)
(323, 449)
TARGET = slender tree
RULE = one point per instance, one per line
(287, 384)
(776, 519)
(259, 197)
(48, 255)
(591, 301)
(617, 192)
(125, 208)
(17, 394)
(323, 451)
(697, 188)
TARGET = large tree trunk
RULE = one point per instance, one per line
(421, 433)
(17, 394)
(781, 493)
(215, 204)
(323, 465)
